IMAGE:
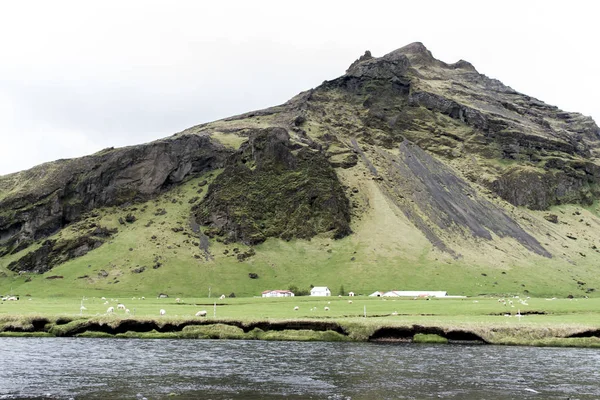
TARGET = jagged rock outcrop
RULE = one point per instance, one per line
(40, 201)
(272, 187)
(55, 252)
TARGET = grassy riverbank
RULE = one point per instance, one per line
(542, 322)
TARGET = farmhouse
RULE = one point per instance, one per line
(277, 293)
(320, 291)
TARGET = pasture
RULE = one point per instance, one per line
(456, 311)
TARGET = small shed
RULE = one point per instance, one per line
(277, 293)
(351, 294)
(320, 291)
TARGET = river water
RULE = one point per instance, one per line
(64, 368)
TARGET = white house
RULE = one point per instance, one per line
(376, 294)
(351, 294)
(320, 291)
(277, 293)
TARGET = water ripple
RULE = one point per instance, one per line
(64, 368)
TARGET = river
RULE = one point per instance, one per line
(78, 368)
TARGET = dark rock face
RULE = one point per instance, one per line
(274, 188)
(53, 253)
(538, 190)
(449, 107)
(56, 194)
(448, 202)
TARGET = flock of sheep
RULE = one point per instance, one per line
(201, 313)
(121, 306)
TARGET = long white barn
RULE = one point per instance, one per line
(410, 293)
(277, 293)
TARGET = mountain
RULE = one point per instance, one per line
(404, 173)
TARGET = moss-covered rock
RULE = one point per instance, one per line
(274, 188)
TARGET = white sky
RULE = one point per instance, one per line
(79, 76)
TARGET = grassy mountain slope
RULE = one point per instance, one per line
(386, 251)
(446, 179)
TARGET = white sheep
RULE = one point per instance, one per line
(349, 301)
(162, 312)
(121, 306)
(127, 311)
(326, 308)
(103, 298)
(201, 313)
(178, 300)
(110, 310)
(296, 308)
(143, 298)
(222, 297)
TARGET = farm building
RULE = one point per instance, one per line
(376, 294)
(414, 293)
(351, 294)
(320, 291)
(277, 293)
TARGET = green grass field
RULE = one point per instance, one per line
(584, 312)
(543, 322)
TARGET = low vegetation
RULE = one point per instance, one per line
(538, 322)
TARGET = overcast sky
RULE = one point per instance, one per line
(79, 76)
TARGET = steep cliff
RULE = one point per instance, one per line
(39, 202)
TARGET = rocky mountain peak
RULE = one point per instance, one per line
(364, 57)
(414, 48)
(416, 52)
(413, 56)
